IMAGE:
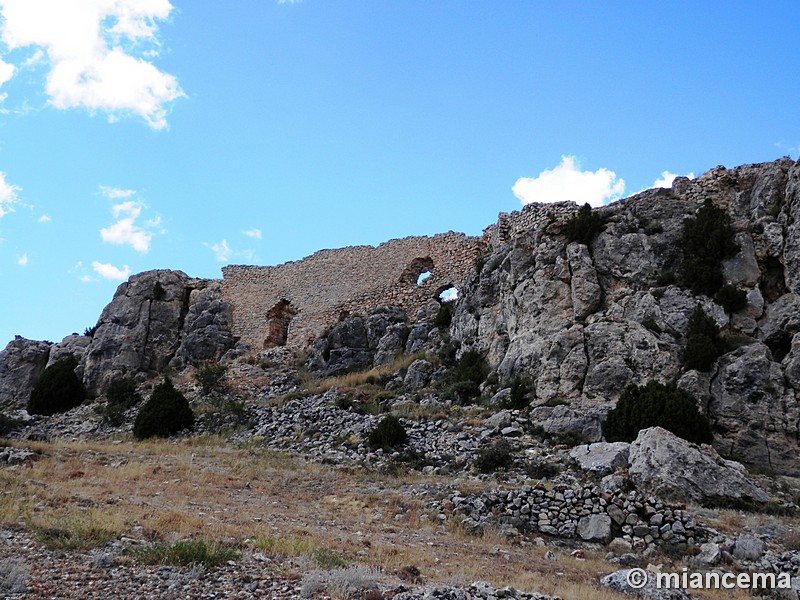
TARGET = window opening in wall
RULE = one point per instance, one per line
(279, 317)
(417, 271)
(449, 294)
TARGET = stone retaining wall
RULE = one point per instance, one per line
(587, 513)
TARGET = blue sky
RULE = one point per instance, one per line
(143, 134)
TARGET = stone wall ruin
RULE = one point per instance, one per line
(292, 303)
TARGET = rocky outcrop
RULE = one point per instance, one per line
(21, 364)
(359, 342)
(206, 334)
(583, 321)
(602, 458)
(672, 468)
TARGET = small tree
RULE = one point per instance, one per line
(656, 405)
(703, 342)
(731, 298)
(522, 390)
(584, 225)
(165, 413)
(121, 395)
(388, 433)
(707, 239)
(58, 389)
(211, 377)
(467, 375)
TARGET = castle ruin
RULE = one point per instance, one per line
(292, 303)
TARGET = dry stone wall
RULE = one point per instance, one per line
(292, 303)
(530, 218)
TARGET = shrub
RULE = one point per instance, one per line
(522, 390)
(8, 424)
(707, 240)
(121, 395)
(388, 433)
(467, 375)
(494, 458)
(210, 377)
(652, 326)
(166, 412)
(90, 331)
(444, 315)
(584, 225)
(656, 405)
(58, 389)
(703, 342)
(731, 298)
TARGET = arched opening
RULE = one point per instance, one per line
(447, 294)
(279, 317)
(418, 271)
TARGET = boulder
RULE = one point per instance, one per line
(679, 471)
(749, 547)
(21, 364)
(621, 580)
(601, 458)
(595, 528)
(418, 374)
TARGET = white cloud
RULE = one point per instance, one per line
(253, 233)
(666, 179)
(109, 271)
(44, 219)
(126, 230)
(567, 182)
(221, 250)
(86, 278)
(6, 72)
(8, 196)
(22, 260)
(115, 193)
(98, 53)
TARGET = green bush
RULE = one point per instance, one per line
(707, 240)
(444, 315)
(703, 342)
(388, 433)
(8, 424)
(522, 390)
(467, 375)
(731, 298)
(495, 457)
(185, 553)
(58, 389)
(584, 225)
(165, 413)
(121, 395)
(211, 377)
(656, 405)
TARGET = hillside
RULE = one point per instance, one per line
(677, 306)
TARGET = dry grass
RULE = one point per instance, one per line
(275, 503)
(350, 380)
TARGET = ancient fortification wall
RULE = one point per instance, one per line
(294, 302)
(531, 217)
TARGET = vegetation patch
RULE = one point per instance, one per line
(211, 378)
(465, 377)
(75, 538)
(707, 239)
(704, 345)
(584, 225)
(496, 457)
(58, 390)
(522, 392)
(166, 412)
(121, 395)
(656, 404)
(731, 298)
(388, 433)
(185, 553)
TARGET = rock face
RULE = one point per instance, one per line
(359, 342)
(21, 364)
(672, 468)
(586, 321)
